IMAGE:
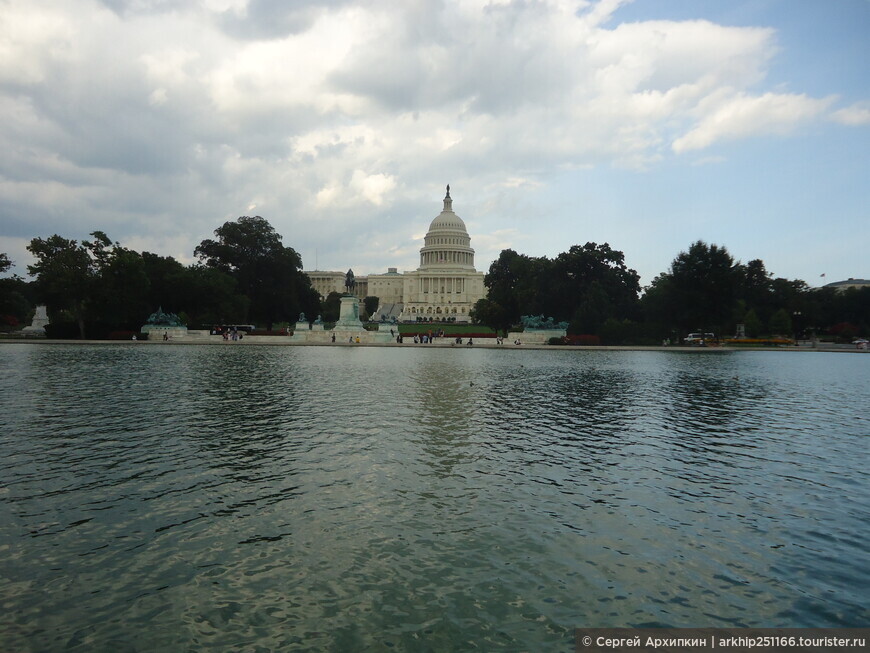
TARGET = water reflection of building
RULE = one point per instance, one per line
(445, 285)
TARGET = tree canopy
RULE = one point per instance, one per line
(65, 275)
(585, 285)
(245, 274)
(267, 273)
(15, 297)
(699, 292)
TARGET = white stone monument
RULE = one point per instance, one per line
(37, 327)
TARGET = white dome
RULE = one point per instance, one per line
(447, 243)
(447, 220)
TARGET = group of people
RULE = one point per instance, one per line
(423, 338)
(233, 334)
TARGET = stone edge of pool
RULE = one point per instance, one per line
(283, 341)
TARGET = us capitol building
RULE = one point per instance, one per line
(444, 288)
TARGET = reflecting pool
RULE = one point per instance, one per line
(412, 499)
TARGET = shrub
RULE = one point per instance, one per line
(583, 339)
(127, 335)
(844, 332)
(62, 330)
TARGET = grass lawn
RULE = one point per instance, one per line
(450, 329)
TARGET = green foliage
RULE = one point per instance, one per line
(491, 314)
(590, 284)
(512, 281)
(780, 324)
(166, 286)
(16, 302)
(593, 310)
(370, 305)
(59, 329)
(247, 275)
(65, 275)
(330, 308)
(844, 332)
(207, 295)
(700, 291)
(752, 324)
(268, 273)
(121, 295)
(629, 332)
(585, 285)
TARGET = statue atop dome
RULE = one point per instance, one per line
(448, 201)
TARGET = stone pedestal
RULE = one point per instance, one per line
(535, 336)
(300, 332)
(348, 319)
(383, 333)
(155, 332)
(37, 327)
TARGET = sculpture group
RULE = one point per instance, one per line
(540, 323)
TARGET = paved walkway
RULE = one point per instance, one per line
(449, 343)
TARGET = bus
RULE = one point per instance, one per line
(700, 339)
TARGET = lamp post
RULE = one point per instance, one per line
(797, 315)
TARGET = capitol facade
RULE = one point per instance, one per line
(444, 287)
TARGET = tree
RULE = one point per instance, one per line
(309, 298)
(120, 295)
(370, 304)
(590, 284)
(165, 283)
(594, 309)
(780, 323)
(15, 305)
(266, 271)
(754, 285)
(208, 296)
(491, 314)
(512, 282)
(65, 275)
(752, 324)
(330, 308)
(586, 285)
(699, 293)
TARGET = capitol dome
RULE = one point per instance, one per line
(447, 244)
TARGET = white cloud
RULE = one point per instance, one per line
(741, 116)
(854, 115)
(337, 117)
(32, 38)
(372, 187)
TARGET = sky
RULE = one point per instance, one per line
(647, 125)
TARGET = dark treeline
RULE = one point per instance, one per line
(245, 275)
(95, 287)
(704, 290)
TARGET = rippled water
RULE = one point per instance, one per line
(317, 498)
